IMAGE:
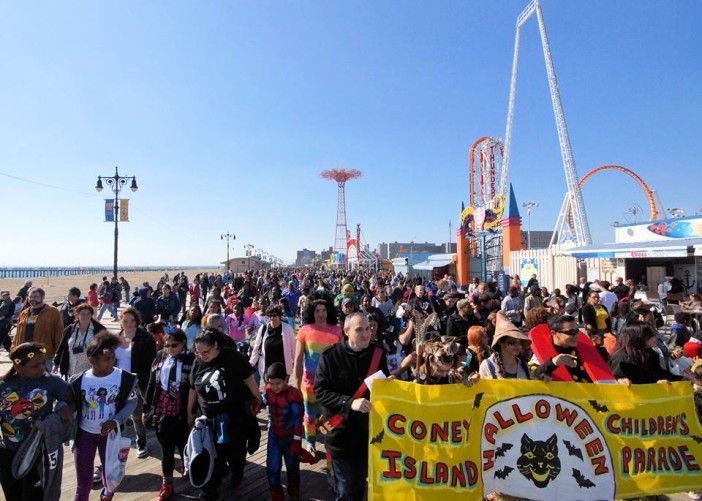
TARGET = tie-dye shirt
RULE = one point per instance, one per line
(315, 340)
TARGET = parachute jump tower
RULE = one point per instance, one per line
(340, 176)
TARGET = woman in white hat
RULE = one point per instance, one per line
(507, 345)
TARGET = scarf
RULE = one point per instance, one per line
(171, 373)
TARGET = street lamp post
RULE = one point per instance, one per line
(528, 206)
(116, 183)
(227, 236)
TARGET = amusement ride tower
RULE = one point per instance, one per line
(574, 200)
(341, 176)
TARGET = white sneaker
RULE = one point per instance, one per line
(142, 452)
(694, 495)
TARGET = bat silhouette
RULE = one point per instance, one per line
(696, 438)
(476, 401)
(378, 438)
(504, 472)
(597, 406)
(573, 450)
(500, 451)
(581, 480)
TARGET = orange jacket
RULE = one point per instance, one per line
(48, 329)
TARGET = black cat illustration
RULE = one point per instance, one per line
(539, 460)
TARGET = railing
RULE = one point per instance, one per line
(26, 272)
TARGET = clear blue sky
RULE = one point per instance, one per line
(227, 111)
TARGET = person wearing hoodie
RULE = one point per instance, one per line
(145, 305)
(347, 292)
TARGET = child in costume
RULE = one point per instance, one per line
(285, 410)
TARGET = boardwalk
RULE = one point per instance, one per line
(144, 475)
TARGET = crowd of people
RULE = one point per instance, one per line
(196, 359)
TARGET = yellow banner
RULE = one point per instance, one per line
(124, 209)
(531, 439)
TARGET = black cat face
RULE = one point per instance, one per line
(539, 460)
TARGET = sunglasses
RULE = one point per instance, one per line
(570, 332)
(171, 345)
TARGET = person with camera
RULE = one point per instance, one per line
(70, 357)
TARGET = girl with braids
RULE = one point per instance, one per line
(507, 346)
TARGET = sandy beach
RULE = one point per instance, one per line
(57, 287)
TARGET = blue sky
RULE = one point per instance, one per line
(227, 111)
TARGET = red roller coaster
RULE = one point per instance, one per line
(653, 208)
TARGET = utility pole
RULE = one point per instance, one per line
(116, 183)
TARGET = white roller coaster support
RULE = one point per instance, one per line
(582, 228)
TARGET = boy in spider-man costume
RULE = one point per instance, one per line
(285, 411)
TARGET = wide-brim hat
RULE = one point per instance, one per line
(505, 328)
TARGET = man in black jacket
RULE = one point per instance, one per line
(341, 371)
(145, 305)
(168, 305)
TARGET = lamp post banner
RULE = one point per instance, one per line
(532, 439)
(124, 210)
(109, 210)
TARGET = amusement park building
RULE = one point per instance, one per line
(649, 252)
(246, 263)
(400, 249)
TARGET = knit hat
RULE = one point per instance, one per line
(692, 349)
(505, 328)
(347, 289)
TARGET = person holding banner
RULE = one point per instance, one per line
(507, 346)
(340, 388)
(635, 358)
(563, 353)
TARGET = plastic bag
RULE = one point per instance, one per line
(116, 452)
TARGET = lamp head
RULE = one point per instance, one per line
(98, 186)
